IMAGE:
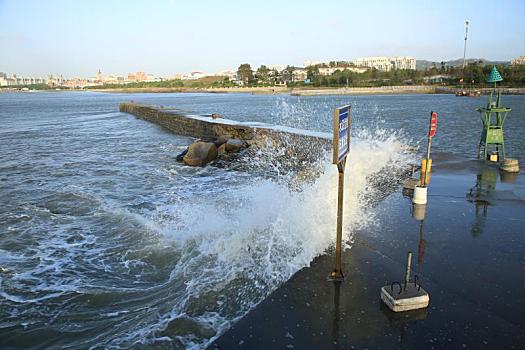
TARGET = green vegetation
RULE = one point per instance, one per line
(263, 73)
(161, 84)
(372, 77)
(224, 83)
(206, 82)
(474, 74)
(513, 76)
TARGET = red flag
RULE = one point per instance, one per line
(433, 124)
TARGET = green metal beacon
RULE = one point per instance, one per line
(493, 117)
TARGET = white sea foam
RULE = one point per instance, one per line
(241, 243)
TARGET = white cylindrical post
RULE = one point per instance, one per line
(420, 195)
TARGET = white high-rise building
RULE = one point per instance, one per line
(387, 64)
(311, 63)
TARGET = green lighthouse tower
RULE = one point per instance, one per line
(493, 117)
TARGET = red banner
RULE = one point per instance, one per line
(433, 124)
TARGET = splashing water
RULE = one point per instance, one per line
(247, 240)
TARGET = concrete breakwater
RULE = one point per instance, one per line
(483, 91)
(295, 145)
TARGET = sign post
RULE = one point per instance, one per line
(431, 133)
(342, 119)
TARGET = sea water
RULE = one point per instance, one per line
(107, 242)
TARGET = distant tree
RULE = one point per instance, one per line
(274, 76)
(262, 73)
(245, 73)
(287, 74)
(312, 73)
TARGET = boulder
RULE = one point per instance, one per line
(234, 145)
(220, 140)
(200, 153)
(222, 150)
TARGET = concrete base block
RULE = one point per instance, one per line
(409, 299)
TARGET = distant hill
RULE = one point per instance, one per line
(424, 64)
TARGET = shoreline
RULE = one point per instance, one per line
(320, 91)
(383, 90)
(251, 90)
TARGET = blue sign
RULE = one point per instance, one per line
(341, 133)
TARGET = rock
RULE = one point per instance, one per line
(200, 153)
(410, 184)
(183, 325)
(234, 145)
(220, 140)
(205, 139)
(181, 155)
(215, 115)
(222, 150)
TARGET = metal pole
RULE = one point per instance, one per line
(465, 47)
(337, 274)
(428, 161)
(407, 274)
(429, 145)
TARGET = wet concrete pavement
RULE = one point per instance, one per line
(469, 252)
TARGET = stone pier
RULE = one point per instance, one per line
(290, 142)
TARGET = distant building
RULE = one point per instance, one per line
(3, 79)
(291, 74)
(79, 83)
(193, 76)
(141, 76)
(55, 80)
(331, 70)
(299, 74)
(311, 63)
(277, 67)
(387, 64)
(518, 61)
(15, 80)
(223, 73)
(99, 78)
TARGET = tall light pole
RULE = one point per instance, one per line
(465, 47)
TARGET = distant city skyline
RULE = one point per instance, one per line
(77, 38)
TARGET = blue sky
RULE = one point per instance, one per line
(164, 37)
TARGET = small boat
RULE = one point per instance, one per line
(468, 93)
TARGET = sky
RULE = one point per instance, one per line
(164, 37)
